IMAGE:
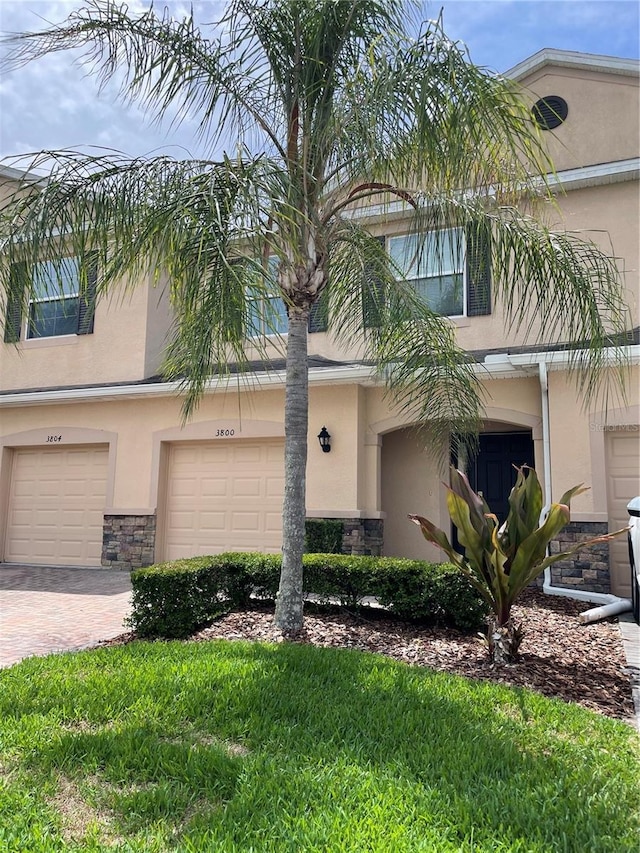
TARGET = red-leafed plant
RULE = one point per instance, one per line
(501, 560)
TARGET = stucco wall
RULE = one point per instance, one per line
(126, 344)
(578, 440)
(598, 103)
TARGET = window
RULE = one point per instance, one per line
(53, 308)
(61, 300)
(434, 263)
(267, 314)
(450, 270)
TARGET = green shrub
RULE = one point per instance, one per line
(175, 599)
(331, 576)
(436, 593)
(323, 535)
(251, 573)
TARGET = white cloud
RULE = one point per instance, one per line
(53, 102)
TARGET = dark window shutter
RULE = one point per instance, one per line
(372, 297)
(478, 270)
(87, 301)
(13, 320)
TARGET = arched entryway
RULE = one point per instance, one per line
(411, 477)
(411, 482)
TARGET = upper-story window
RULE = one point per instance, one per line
(61, 300)
(53, 308)
(434, 263)
(450, 269)
(267, 314)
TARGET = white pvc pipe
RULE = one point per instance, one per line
(580, 594)
(546, 432)
(546, 460)
(621, 605)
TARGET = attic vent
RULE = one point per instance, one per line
(550, 112)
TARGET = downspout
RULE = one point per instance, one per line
(609, 605)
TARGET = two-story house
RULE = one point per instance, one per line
(97, 468)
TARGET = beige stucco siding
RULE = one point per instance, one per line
(126, 345)
(578, 441)
(602, 124)
(333, 477)
(377, 466)
(411, 483)
(608, 216)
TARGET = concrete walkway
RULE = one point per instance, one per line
(44, 609)
(631, 642)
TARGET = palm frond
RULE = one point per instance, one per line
(186, 223)
(165, 65)
(420, 114)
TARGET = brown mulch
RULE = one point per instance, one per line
(559, 657)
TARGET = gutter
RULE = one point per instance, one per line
(497, 365)
(573, 59)
(362, 374)
(556, 359)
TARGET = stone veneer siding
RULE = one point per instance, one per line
(587, 569)
(363, 536)
(128, 541)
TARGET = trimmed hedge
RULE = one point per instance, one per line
(323, 535)
(175, 599)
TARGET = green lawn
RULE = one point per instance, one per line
(247, 747)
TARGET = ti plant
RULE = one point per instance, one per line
(501, 560)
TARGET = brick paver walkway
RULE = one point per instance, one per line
(45, 610)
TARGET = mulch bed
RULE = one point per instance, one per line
(559, 657)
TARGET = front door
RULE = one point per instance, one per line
(492, 471)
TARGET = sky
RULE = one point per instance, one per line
(53, 104)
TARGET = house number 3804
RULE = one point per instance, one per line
(53, 439)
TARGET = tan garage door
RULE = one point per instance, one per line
(223, 496)
(623, 483)
(56, 506)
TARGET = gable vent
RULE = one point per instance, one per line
(550, 112)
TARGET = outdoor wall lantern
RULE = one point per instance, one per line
(325, 440)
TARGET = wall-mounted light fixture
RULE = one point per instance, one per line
(325, 440)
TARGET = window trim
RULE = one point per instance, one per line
(462, 262)
(60, 298)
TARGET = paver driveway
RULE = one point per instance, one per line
(46, 609)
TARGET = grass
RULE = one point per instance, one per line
(250, 747)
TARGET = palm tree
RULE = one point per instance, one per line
(332, 106)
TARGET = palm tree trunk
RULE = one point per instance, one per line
(288, 616)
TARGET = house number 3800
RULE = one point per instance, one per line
(53, 439)
(225, 432)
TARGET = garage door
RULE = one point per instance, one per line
(224, 496)
(56, 506)
(623, 483)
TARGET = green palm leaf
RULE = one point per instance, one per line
(331, 110)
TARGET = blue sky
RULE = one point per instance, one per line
(51, 104)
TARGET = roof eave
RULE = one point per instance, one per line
(573, 59)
